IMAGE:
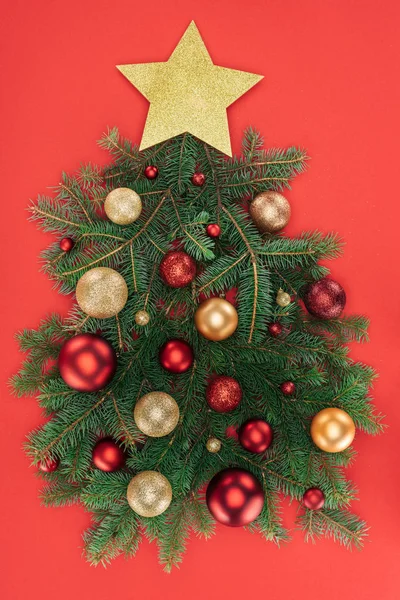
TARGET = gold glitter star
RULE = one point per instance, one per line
(188, 93)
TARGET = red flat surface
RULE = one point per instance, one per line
(331, 85)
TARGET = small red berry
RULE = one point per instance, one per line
(314, 499)
(66, 244)
(275, 329)
(198, 179)
(151, 172)
(288, 388)
(213, 230)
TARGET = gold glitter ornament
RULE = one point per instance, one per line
(123, 206)
(332, 430)
(216, 319)
(270, 212)
(188, 93)
(213, 445)
(156, 414)
(142, 317)
(101, 293)
(149, 493)
(283, 298)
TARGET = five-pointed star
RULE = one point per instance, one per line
(188, 93)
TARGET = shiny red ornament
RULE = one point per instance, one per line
(223, 394)
(234, 497)
(151, 172)
(49, 465)
(87, 362)
(177, 269)
(288, 388)
(325, 299)
(198, 179)
(107, 455)
(176, 356)
(66, 244)
(255, 435)
(275, 329)
(213, 230)
(313, 499)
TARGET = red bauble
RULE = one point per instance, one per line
(198, 179)
(325, 298)
(275, 329)
(176, 356)
(255, 435)
(49, 465)
(313, 499)
(288, 388)
(177, 269)
(87, 362)
(107, 455)
(151, 172)
(213, 230)
(235, 497)
(66, 244)
(223, 394)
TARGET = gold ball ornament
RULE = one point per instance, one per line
(123, 206)
(332, 430)
(216, 319)
(101, 293)
(283, 298)
(270, 212)
(156, 414)
(149, 493)
(213, 445)
(142, 317)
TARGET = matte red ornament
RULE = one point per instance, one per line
(176, 356)
(177, 269)
(151, 172)
(255, 435)
(223, 394)
(234, 497)
(107, 455)
(275, 329)
(198, 179)
(213, 230)
(325, 298)
(313, 499)
(288, 388)
(66, 244)
(87, 362)
(49, 465)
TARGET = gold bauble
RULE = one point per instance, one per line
(123, 206)
(332, 430)
(156, 414)
(283, 298)
(216, 319)
(213, 445)
(142, 317)
(270, 212)
(149, 493)
(101, 293)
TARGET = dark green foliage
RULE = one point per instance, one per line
(309, 351)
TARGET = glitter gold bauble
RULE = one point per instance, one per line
(149, 493)
(123, 206)
(101, 293)
(332, 430)
(270, 212)
(142, 317)
(216, 319)
(213, 445)
(156, 414)
(283, 298)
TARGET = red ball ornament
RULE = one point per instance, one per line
(213, 230)
(325, 298)
(198, 179)
(49, 465)
(107, 455)
(151, 172)
(176, 356)
(66, 244)
(288, 388)
(234, 497)
(177, 269)
(87, 362)
(223, 394)
(313, 499)
(275, 329)
(255, 435)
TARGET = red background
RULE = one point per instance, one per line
(331, 85)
